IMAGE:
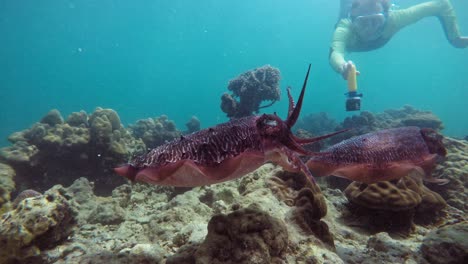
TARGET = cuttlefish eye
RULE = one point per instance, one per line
(270, 122)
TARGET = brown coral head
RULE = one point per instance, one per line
(382, 195)
(434, 141)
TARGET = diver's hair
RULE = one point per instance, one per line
(385, 3)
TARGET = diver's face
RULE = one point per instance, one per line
(368, 17)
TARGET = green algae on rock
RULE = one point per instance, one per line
(37, 223)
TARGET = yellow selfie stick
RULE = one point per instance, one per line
(352, 82)
(353, 100)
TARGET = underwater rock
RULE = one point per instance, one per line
(106, 114)
(101, 131)
(155, 131)
(78, 119)
(193, 125)
(20, 154)
(37, 223)
(107, 213)
(448, 244)
(52, 118)
(252, 88)
(247, 235)
(7, 185)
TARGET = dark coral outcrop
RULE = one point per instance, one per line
(251, 88)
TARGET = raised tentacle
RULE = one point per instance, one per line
(305, 141)
(291, 103)
(295, 113)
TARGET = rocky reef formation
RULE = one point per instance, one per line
(36, 224)
(58, 151)
(268, 216)
(155, 131)
(251, 88)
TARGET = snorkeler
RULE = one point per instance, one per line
(369, 24)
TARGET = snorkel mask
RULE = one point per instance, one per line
(369, 27)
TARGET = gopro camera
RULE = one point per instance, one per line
(353, 102)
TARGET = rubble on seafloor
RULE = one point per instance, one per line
(268, 216)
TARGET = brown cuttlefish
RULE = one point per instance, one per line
(382, 156)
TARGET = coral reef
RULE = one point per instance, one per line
(7, 185)
(252, 88)
(57, 152)
(193, 125)
(155, 131)
(36, 224)
(448, 244)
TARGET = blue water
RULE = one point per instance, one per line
(175, 57)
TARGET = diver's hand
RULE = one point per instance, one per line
(345, 68)
(460, 42)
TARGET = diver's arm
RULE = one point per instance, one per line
(338, 45)
(440, 8)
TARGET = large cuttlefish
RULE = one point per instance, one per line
(226, 151)
(382, 156)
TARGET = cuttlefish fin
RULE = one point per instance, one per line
(425, 170)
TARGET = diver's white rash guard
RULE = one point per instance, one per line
(344, 39)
